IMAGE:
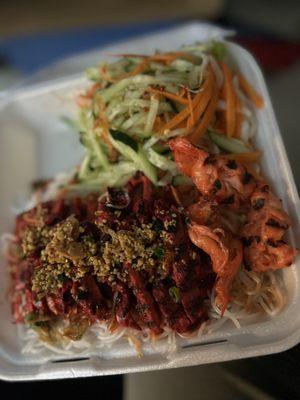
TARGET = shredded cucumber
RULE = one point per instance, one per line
(161, 162)
(135, 105)
(124, 143)
(166, 179)
(218, 49)
(84, 168)
(98, 149)
(113, 90)
(162, 147)
(117, 175)
(132, 120)
(154, 105)
(230, 145)
(183, 65)
(93, 73)
(133, 151)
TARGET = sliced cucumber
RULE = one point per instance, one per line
(230, 145)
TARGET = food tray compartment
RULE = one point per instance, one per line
(36, 143)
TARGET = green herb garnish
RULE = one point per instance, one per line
(175, 293)
(158, 252)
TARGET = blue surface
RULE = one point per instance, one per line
(32, 52)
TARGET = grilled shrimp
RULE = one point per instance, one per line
(266, 224)
(264, 256)
(227, 181)
(195, 163)
(204, 212)
(226, 256)
(266, 217)
(239, 183)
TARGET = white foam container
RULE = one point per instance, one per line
(35, 143)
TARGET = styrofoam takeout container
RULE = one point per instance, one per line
(35, 143)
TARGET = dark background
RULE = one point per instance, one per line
(34, 34)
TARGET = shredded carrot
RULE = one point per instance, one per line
(207, 92)
(220, 122)
(250, 91)
(197, 102)
(222, 93)
(251, 157)
(206, 119)
(103, 122)
(239, 117)
(182, 91)
(238, 129)
(84, 101)
(169, 95)
(90, 92)
(230, 100)
(220, 125)
(191, 119)
(158, 124)
(181, 124)
(175, 195)
(137, 70)
(106, 75)
(181, 116)
(168, 56)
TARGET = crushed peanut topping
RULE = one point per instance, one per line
(68, 250)
(139, 247)
(64, 256)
